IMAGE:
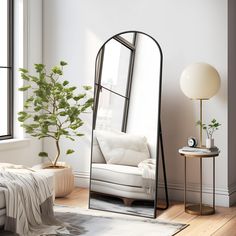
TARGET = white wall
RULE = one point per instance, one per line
(28, 50)
(187, 30)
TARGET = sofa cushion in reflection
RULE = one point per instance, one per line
(118, 180)
(125, 149)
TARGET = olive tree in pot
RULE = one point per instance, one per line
(53, 111)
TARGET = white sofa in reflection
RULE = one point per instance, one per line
(123, 181)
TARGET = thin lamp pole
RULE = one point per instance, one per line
(201, 123)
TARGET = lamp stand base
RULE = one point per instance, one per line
(195, 209)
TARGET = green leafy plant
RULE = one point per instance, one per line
(210, 128)
(54, 108)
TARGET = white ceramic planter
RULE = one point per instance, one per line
(209, 142)
(63, 178)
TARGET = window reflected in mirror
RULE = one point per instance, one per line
(110, 110)
(115, 67)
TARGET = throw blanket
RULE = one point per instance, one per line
(29, 204)
(148, 168)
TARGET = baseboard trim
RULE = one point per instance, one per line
(82, 179)
(223, 196)
(176, 193)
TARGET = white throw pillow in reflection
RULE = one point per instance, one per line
(121, 148)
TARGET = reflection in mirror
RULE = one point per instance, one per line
(126, 125)
(115, 66)
(130, 37)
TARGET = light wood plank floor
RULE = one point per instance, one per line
(223, 223)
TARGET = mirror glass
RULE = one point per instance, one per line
(126, 125)
(115, 70)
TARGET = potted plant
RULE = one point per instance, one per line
(210, 129)
(53, 110)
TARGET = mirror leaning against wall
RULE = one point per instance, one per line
(126, 125)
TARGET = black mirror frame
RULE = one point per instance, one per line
(158, 118)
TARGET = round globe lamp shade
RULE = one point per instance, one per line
(200, 81)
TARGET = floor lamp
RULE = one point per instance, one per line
(200, 81)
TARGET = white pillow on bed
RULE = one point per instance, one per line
(122, 148)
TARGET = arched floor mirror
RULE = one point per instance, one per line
(126, 125)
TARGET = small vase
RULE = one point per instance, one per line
(209, 142)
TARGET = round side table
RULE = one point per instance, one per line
(198, 209)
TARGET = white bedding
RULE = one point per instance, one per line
(2, 216)
(2, 199)
(18, 170)
(26, 180)
(32, 194)
(2, 220)
(2, 211)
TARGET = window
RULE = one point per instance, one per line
(6, 69)
(113, 82)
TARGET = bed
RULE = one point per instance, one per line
(17, 168)
(2, 207)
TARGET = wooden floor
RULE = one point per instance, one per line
(222, 223)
